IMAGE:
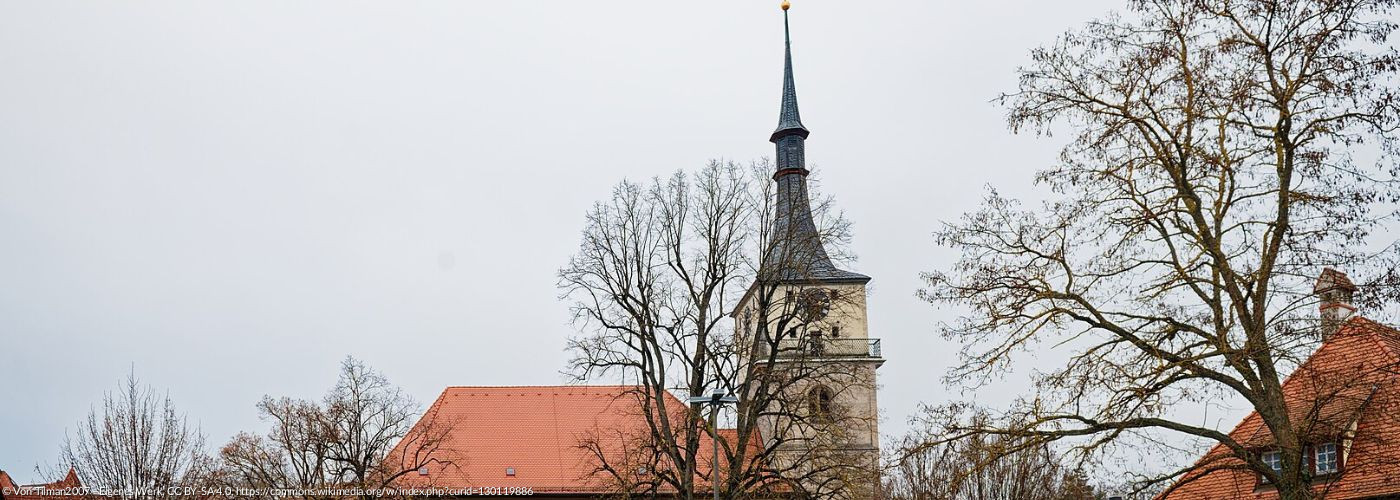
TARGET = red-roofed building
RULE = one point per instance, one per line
(801, 330)
(1345, 399)
(68, 487)
(541, 439)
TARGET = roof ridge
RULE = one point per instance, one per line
(1375, 336)
(1346, 325)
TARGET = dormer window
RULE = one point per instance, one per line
(1325, 458)
(1320, 460)
(1273, 459)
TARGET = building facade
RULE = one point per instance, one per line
(1344, 401)
(807, 375)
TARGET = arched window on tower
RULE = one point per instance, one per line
(819, 404)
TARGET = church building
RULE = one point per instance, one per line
(803, 321)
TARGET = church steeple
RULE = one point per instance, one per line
(804, 322)
(796, 252)
(789, 120)
(790, 135)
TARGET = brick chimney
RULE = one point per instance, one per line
(1334, 291)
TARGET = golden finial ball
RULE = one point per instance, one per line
(786, 4)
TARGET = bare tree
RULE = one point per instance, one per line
(661, 268)
(1209, 177)
(137, 445)
(362, 436)
(295, 453)
(981, 467)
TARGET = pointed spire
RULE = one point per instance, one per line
(795, 252)
(789, 120)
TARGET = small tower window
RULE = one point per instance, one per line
(816, 304)
(819, 403)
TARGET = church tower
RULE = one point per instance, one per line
(810, 356)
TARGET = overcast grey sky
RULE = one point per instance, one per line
(232, 196)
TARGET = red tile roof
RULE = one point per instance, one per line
(538, 432)
(9, 490)
(6, 483)
(1352, 379)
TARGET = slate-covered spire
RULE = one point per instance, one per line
(789, 119)
(795, 252)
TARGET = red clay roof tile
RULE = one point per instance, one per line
(1352, 379)
(537, 431)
